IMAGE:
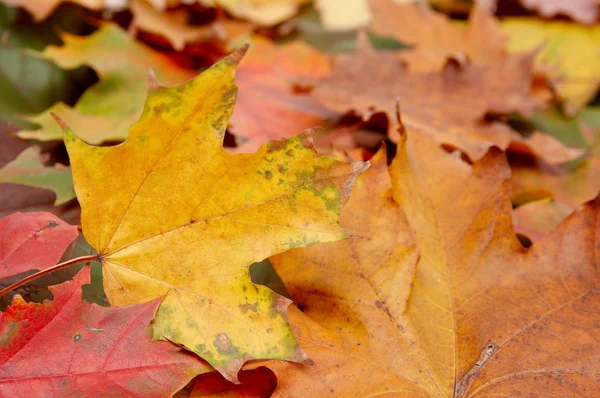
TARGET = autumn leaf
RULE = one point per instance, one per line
(435, 38)
(450, 105)
(256, 383)
(343, 15)
(41, 9)
(568, 53)
(67, 347)
(267, 107)
(170, 24)
(535, 219)
(32, 241)
(571, 185)
(262, 12)
(437, 297)
(584, 11)
(28, 169)
(107, 109)
(172, 214)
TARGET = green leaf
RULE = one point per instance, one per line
(28, 169)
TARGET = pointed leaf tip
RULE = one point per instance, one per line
(61, 123)
(153, 84)
(235, 57)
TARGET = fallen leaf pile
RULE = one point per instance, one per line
(401, 200)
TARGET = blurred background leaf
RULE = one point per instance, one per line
(29, 84)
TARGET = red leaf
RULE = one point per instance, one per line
(32, 241)
(71, 348)
(257, 383)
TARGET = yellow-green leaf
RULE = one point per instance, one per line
(107, 109)
(172, 213)
(568, 51)
(28, 169)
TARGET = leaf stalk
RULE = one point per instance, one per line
(90, 257)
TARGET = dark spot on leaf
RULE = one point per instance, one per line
(51, 225)
(268, 175)
(77, 338)
(249, 307)
(275, 146)
(223, 344)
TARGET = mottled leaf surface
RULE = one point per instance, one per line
(172, 214)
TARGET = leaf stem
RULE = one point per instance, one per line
(58, 266)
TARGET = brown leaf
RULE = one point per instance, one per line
(437, 297)
(535, 219)
(171, 24)
(571, 186)
(435, 38)
(451, 106)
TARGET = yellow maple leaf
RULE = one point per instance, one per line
(171, 213)
(569, 52)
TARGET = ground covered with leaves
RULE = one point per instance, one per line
(300, 199)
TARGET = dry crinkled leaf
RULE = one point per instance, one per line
(535, 219)
(107, 109)
(438, 298)
(170, 24)
(435, 38)
(28, 169)
(171, 213)
(450, 105)
(569, 52)
(41, 9)
(32, 241)
(67, 347)
(267, 107)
